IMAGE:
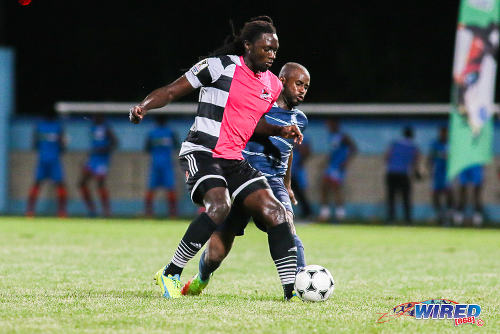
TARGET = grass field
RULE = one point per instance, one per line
(94, 276)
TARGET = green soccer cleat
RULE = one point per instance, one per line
(170, 285)
(194, 286)
(294, 298)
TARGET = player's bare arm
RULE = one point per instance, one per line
(290, 131)
(353, 149)
(288, 180)
(160, 97)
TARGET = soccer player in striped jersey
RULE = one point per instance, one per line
(236, 90)
(103, 143)
(273, 157)
(49, 140)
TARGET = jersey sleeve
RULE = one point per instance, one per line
(302, 120)
(204, 72)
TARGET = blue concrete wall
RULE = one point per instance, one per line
(6, 107)
(372, 134)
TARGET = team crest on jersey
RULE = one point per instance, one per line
(265, 95)
(199, 66)
(187, 176)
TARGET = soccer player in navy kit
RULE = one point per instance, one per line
(342, 151)
(441, 188)
(161, 143)
(49, 141)
(471, 177)
(272, 156)
(402, 161)
(103, 143)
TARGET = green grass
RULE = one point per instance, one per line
(94, 276)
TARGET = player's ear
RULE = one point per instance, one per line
(283, 80)
(247, 45)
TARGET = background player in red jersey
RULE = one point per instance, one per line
(237, 91)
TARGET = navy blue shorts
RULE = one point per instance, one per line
(161, 176)
(51, 169)
(238, 219)
(472, 175)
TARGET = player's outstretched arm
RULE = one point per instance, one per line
(290, 131)
(160, 97)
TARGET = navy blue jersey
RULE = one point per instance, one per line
(402, 155)
(439, 154)
(339, 150)
(161, 143)
(270, 155)
(48, 139)
(101, 141)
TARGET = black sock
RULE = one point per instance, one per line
(197, 234)
(284, 254)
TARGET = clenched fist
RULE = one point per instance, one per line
(136, 114)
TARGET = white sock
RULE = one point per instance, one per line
(340, 213)
(324, 213)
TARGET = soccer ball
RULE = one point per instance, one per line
(314, 283)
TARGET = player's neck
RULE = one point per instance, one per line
(282, 103)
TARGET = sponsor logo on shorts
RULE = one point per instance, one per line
(436, 309)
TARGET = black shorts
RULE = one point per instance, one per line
(204, 172)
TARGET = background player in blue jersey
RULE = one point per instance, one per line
(471, 177)
(161, 143)
(442, 194)
(272, 157)
(103, 143)
(49, 141)
(299, 181)
(402, 162)
(342, 150)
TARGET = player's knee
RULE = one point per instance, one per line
(274, 213)
(218, 210)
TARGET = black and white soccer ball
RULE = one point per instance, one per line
(314, 283)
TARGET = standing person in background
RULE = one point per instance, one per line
(161, 143)
(49, 141)
(441, 189)
(103, 143)
(402, 160)
(342, 149)
(299, 177)
(471, 177)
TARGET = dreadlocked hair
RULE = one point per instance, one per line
(251, 31)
